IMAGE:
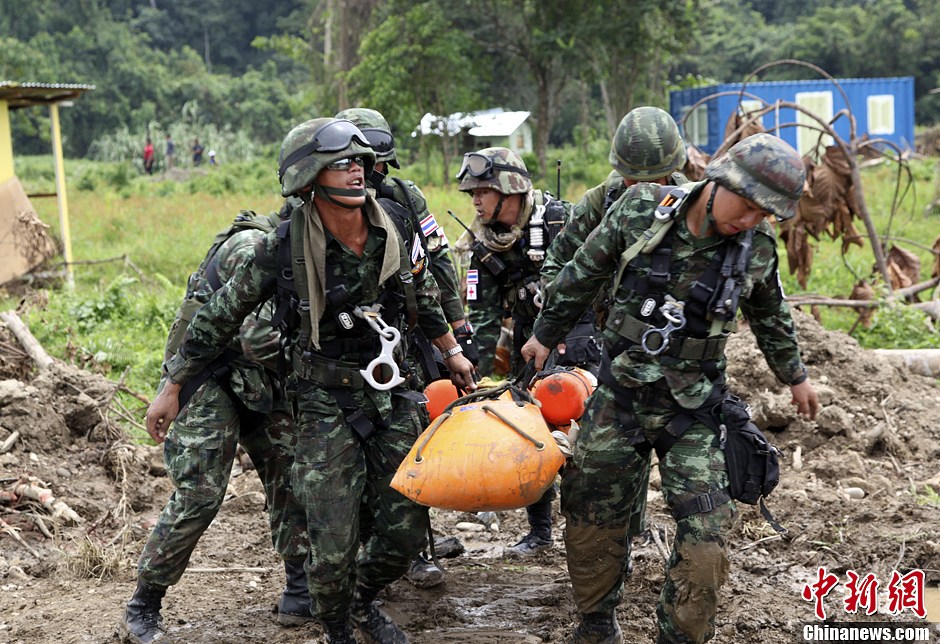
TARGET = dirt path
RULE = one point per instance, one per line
(878, 432)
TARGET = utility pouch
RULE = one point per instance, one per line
(753, 463)
(488, 258)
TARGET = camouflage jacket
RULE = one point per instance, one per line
(491, 298)
(405, 192)
(762, 300)
(255, 281)
(253, 373)
(585, 217)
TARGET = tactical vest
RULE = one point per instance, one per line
(710, 309)
(517, 270)
(208, 270)
(355, 338)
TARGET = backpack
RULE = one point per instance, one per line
(208, 270)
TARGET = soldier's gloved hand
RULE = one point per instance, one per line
(464, 337)
(564, 445)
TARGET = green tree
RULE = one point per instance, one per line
(415, 62)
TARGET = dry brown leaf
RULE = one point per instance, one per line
(695, 163)
(936, 258)
(734, 122)
(903, 268)
(863, 291)
(799, 251)
(835, 158)
(812, 215)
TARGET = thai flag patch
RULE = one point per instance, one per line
(429, 225)
(473, 276)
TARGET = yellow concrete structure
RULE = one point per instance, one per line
(15, 95)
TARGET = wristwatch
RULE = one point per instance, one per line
(452, 352)
(464, 331)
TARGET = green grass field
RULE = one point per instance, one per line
(154, 231)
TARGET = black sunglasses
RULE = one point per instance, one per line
(482, 167)
(332, 137)
(345, 164)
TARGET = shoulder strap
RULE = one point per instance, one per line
(663, 217)
(413, 209)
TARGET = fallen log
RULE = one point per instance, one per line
(925, 362)
(29, 342)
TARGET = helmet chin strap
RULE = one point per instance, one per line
(709, 215)
(375, 179)
(328, 193)
(497, 210)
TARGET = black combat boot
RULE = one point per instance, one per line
(375, 626)
(142, 622)
(294, 607)
(597, 628)
(539, 538)
(424, 573)
(338, 631)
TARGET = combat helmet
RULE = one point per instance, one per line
(647, 145)
(498, 168)
(377, 131)
(314, 144)
(763, 169)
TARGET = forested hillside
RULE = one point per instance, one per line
(243, 71)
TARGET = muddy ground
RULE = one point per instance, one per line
(878, 431)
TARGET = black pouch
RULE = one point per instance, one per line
(753, 463)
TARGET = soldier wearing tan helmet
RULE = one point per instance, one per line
(662, 378)
(513, 228)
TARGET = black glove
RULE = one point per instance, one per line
(464, 336)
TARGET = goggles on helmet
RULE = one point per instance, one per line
(332, 137)
(482, 167)
(380, 141)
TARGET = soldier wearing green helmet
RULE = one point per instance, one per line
(646, 147)
(427, 244)
(346, 296)
(662, 376)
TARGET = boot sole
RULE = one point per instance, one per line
(124, 633)
(289, 620)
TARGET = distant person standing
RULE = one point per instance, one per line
(212, 158)
(148, 157)
(170, 152)
(197, 152)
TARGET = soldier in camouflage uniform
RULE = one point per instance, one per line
(659, 395)
(332, 267)
(427, 243)
(508, 239)
(646, 147)
(240, 402)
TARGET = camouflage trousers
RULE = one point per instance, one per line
(199, 452)
(598, 493)
(337, 475)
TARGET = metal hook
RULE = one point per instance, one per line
(389, 337)
(675, 320)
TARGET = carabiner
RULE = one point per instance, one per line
(675, 321)
(389, 337)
